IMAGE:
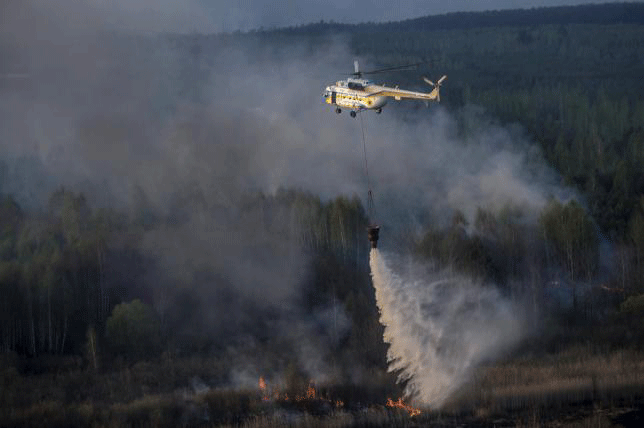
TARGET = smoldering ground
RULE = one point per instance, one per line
(187, 128)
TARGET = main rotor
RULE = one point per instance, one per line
(357, 73)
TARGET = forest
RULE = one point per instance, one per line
(101, 315)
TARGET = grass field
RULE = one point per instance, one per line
(572, 388)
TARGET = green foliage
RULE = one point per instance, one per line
(636, 235)
(133, 330)
(455, 249)
(572, 237)
(11, 216)
(633, 305)
(552, 76)
(91, 348)
(636, 227)
(572, 80)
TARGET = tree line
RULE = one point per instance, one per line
(574, 86)
(70, 276)
(73, 278)
(571, 76)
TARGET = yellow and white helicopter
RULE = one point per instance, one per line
(358, 94)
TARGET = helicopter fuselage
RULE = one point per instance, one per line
(355, 94)
(360, 94)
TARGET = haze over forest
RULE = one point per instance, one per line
(169, 198)
(212, 16)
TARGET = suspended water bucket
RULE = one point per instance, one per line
(373, 232)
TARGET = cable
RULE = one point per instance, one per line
(371, 209)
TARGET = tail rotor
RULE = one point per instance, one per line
(436, 85)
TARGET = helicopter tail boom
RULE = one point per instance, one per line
(399, 94)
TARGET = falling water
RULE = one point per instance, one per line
(439, 328)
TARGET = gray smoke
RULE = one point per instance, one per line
(187, 128)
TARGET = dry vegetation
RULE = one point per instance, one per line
(576, 387)
(572, 388)
(67, 277)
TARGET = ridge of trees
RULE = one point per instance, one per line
(73, 278)
(63, 274)
(570, 75)
(602, 14)
(576, 88)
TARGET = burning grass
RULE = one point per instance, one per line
(573, 387)
(168, 393)
(399, 404)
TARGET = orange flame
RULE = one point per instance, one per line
(311, 394)
(401, 405)
(262, 388)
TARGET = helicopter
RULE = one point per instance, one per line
(356, 93)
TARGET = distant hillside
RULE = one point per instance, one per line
(607, 13)
(571, 76)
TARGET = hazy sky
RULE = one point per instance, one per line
(206, 16)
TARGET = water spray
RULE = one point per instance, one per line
(439, 326)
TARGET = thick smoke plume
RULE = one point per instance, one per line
(185, 129)
(439, 327)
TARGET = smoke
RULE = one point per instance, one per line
(440, 327)
(121, 116)
(185, 129)
(134, 16)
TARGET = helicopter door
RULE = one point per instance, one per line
(333, 97)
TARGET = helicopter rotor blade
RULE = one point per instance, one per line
(385, 70)
(441, 80)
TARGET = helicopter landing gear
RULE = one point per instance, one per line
(379, 110)
(338, 110)
(353, 113)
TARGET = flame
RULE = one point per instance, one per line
(311, 394)
(262, 388)
(401, 405)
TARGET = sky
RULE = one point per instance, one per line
(208, 16)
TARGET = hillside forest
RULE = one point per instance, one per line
(95, 285)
